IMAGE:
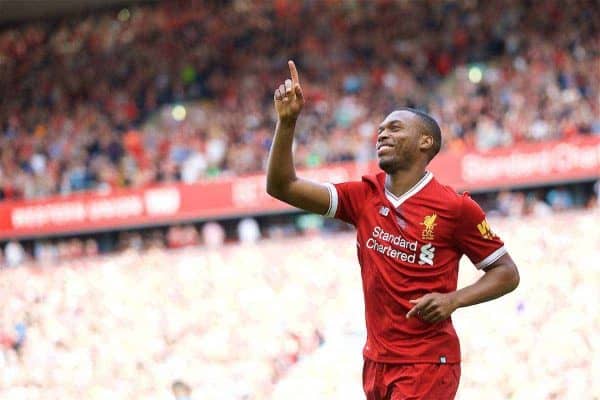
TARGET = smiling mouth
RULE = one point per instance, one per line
(382, 148)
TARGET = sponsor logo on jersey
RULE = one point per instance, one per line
(384, 211)
(394, 246)
(485, 230)
(429, 224)
(427, 254)
(399, 248)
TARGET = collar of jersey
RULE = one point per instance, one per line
(397, 201)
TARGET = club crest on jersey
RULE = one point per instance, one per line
(384, 211)
(429, 224)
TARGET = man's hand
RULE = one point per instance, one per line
(433, 307)
(288, 97)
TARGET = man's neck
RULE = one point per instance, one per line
(402, 181)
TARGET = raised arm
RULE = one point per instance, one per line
(282, 182)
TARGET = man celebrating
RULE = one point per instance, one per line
(411, 233)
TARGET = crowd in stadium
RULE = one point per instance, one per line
(127, 325)
(99, 328)
(82, 97)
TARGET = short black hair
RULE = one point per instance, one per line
(430, 127)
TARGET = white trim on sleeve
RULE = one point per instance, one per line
(333, 200)
(489, 260)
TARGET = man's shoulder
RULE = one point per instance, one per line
(374, 180)
(369, 184)
(444, 194)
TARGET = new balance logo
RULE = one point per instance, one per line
(427, 254)
(384, 211)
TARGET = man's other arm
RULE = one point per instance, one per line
(500, 278)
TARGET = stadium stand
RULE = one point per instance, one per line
(87, 88)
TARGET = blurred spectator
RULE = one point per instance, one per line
(91, 247)
(310, 224)
(131, 240)
(213, 234)
(155, 240)
(19, 338)
(560, 199)
(181, 391)
(596, 195)
(248, 230)
(538, 207)
(45, 252)
(14, 253)
(182, 236)
(511, 203)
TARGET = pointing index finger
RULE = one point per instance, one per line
(293, 73)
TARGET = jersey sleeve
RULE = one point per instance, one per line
(346, 201)
(474, 236)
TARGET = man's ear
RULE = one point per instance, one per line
(426, 142)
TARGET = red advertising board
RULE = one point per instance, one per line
(528, 164)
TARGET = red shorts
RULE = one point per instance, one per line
(383, 381)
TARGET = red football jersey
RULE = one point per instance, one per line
(407, 247)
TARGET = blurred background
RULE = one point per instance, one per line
(141, 257)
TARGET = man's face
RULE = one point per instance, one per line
(398, 141)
